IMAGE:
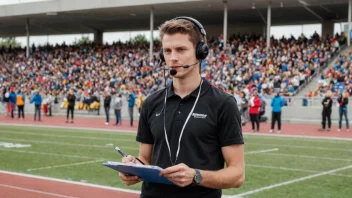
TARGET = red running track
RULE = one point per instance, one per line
(99, 123)
(16, 186)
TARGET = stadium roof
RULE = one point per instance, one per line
(83, 16)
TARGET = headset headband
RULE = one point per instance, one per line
(195, 22)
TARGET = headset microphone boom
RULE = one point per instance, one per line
(173, 71)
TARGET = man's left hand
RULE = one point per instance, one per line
(181, 174)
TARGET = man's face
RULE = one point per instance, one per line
(179, 51)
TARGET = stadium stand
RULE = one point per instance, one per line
(94, 68)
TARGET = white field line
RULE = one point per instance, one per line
(293, 169)
(65, 144)
(281, 168)
(83, 129)
(124, 140)
(68, 136)
(133, 132)
(309, 157)
(262, 151)
(35, 191)
(127, 140)
(70, 182)
(96, 146)
(302, 147)
(296, 136)
(290, 182)
(51, 154)
(127, 148)
(65, 165)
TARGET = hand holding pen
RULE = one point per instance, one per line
(126, 178)
(129, 157)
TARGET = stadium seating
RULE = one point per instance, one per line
(94, 68)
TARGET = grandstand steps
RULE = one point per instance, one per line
(313, 84)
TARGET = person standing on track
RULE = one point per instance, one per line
(37, 100)
(107, 103)
(20, 101)
(326, 114)
(276, 103)
(71, 99)
(343, 103)
(254, 104)
(131, 102)
(117, 105)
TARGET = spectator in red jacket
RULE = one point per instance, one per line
(254, 105)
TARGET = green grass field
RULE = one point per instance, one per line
(78, 155)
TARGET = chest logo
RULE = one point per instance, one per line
(198, 115)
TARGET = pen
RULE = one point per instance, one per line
(124, 154)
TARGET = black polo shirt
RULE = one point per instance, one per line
(214, 123)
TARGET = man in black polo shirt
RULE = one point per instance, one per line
(189, 128)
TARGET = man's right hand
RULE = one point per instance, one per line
(129, 180)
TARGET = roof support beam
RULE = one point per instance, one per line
(326, 9)
(261, 15)
(349, 23)
(151, 34)
(304, 4)
(225, 26)
(27, 33)
(268, 26)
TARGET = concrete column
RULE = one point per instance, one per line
(98, 36)
(328, 28)
(27, 31)
(268, 25)
(151, 34)
(349, 22)
(225, 24)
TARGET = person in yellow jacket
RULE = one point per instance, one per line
(20, 100)
(139, 101)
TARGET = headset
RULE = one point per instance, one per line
(202, 48)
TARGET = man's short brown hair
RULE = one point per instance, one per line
(182, 26)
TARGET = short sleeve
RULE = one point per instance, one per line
(229, 123)
(144, 134)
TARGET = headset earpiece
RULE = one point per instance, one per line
(161, 55)
(202, 51)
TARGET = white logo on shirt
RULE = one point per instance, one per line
(198, 115)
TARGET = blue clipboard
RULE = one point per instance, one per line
(147, 173)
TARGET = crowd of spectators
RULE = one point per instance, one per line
(337, 79)
(93, 69)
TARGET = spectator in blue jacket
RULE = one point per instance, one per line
(37, 100)
(276, 103)
(131, 101)
(12, 99)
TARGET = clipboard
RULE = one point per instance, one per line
(147, 173)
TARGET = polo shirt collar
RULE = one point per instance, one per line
(205, 87)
